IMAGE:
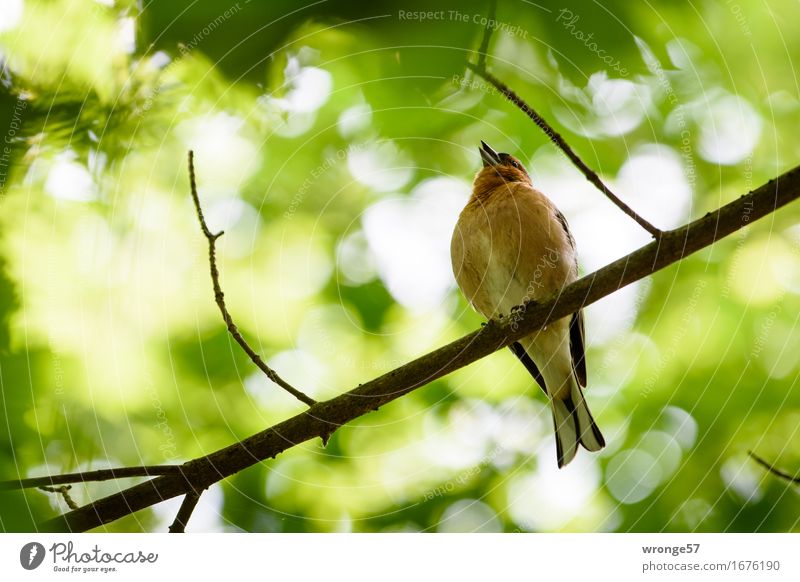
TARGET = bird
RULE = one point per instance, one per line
(512, 246)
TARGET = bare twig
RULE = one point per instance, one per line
(97, 475)
(483, 51)
(321, 418)
(219, 297)
(555, 137)
(64, 491)
(773, 470)
(185, 512)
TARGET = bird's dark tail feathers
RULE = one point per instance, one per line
(574, 425)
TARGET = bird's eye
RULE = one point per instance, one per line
(515, 164)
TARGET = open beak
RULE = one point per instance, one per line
(488, 155)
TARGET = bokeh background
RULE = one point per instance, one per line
(336, 143)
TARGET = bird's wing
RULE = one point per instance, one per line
(529, 364)
(576, 347)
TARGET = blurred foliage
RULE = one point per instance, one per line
(335, 144)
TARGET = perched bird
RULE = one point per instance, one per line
(511, 245)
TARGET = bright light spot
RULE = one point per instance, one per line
(126, 35)
(299, 368)
(729, 130)
(303, 267)
(757, 270)
(355, 260)
(780, 347)
(521, 424)
(12, 13)
(239, 220)
(206, 517)
(469, 515)
(462, 439)
(632, 475)
(160, 59)
(664, 449)
(355, 119)
(615, 313)
(410, 238)
(612, 107)
(381, 166)
(226, 156)
(683, 54)
(652, 179)
(309, 88)
(742, 476)
(294, 124)
(681, 425)
(549, 498)
(694, 512)
(70, 180)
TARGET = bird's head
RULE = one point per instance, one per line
(498, 169)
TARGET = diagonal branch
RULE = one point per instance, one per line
(86, 476)
(219, 297)
(772, 469)
(324, 417)
(185, 512)
(555, 137)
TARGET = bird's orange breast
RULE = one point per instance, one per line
(509, 247)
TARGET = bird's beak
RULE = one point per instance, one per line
(488, 155)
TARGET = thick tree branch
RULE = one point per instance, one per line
(219, 297)
(86, 476)
(185, 512)
(772, 469)
(324, 417)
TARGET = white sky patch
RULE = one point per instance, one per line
(226, 156)
(653, 180)
(11, 11)
(459, 441)
(611, 107)
(299, 368)
(632, 475)
(354, 120)
(410, 239)
(309, 88)
(70, 180)
(548, 498)
(126, 35)
(160, 59)
(743, 478)
(355, 260)
(206, 517)
(381, 166)
(729, 130)
(239, 220)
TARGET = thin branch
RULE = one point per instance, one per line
(554, 136)
(325, 416)
(64, 491)
(219, 297)
(773, 470)
(483, 51)
(185, 512)
(86, 476)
